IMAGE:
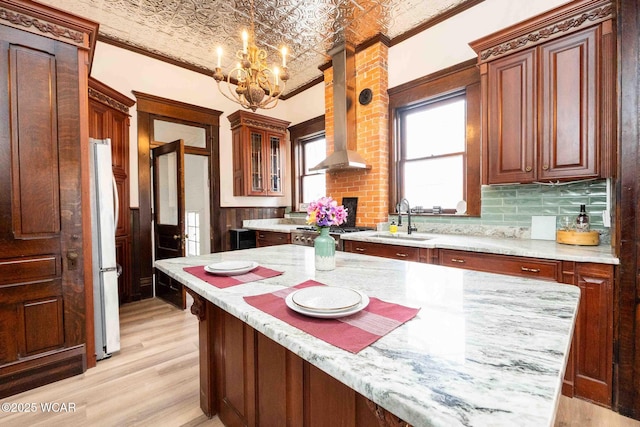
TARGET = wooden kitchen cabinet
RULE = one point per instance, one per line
(271, 238)
(590, 367)
(532, 268)
(109, 118)
(405, 253)
(261, 383)
(259, 152)
(46, 310)
(589, 370)
(549, 109)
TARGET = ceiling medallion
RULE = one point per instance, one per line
(258, 86)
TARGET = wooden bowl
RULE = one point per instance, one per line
(583, 238)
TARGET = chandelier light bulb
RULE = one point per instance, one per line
(219, 55)
(245, 41)
(256, 85)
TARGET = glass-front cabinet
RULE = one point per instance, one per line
(258, 154)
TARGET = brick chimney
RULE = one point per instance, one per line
(371, 187)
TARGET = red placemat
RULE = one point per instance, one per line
(226, 281)
(351, 333)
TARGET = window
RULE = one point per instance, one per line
(432, 151)
(309, 148)
(193, 233)
(435, 144)
(313, 183)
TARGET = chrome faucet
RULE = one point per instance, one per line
(405, 202)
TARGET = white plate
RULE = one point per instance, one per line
(230, 268)
(326, 298)
(327, 314)
(461, 207)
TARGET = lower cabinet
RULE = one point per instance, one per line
(405, 253)
(590, 367)
(260, 383)
(589, 370)
(503, 264)
(272, 238)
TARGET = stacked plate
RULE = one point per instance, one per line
(328, 302)
(230, 268)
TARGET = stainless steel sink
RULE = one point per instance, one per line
(400, 237)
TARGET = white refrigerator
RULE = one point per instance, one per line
(104, 217)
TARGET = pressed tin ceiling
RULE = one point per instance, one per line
(189, 31)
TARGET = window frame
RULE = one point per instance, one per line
(461, 78)
(299, 134)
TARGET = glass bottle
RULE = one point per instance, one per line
(582, 221)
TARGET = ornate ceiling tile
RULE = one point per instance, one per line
(190, 30)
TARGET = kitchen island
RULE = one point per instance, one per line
(484, 349)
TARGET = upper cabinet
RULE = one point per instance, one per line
(259, 152)
(548, 96)
(109, 118)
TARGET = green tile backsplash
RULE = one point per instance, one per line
(514, 205)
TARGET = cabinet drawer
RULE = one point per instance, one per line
(272, 238)
(382, 250)
(502, 264)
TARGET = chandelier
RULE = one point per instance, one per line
(257, 86)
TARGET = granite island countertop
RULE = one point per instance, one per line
(484, 349)
(545, 249)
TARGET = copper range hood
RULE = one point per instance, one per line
(344, 156)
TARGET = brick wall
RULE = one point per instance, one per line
(371, 187)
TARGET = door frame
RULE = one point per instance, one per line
(150, 107)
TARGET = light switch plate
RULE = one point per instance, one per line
(543, 227)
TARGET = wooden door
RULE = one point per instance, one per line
(593, 336)
(42, 291)
(568, 107)
(169, 213)
(512, 121)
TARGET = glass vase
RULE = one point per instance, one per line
(325, 248)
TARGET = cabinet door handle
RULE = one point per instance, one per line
(545, 167)
(530, 270)
(528, 169)
(360, 249)
(261, 236)
(402, 255)
(461, 261)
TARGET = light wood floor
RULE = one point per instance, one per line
(153, 381)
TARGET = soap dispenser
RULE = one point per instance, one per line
(393, 228)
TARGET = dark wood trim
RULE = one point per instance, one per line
(108, 96)
(155, 55)
(306, 129)
(378, 38)
(465, 75)
(436, 20)
(410, 86)
(176, 109)
(626, 338)
(150, 107)
(42, 369)
(43, 20)
(302, 88)
(562, 20)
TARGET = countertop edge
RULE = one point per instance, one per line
(542, 249)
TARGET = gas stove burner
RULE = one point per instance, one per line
(306, 228)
